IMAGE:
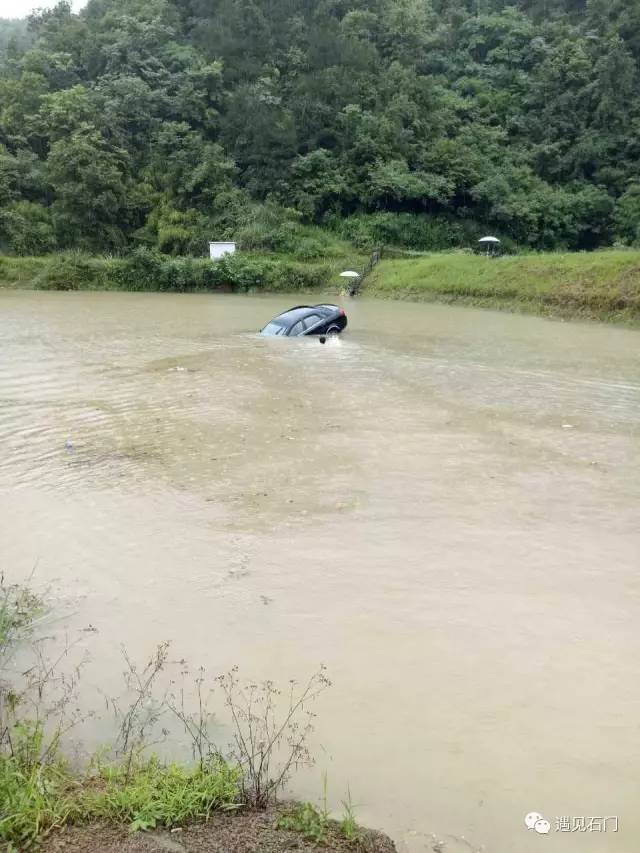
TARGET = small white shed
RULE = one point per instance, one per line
(217, 250)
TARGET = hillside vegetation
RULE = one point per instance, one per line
(419, 123)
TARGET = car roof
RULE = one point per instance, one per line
(299, 311)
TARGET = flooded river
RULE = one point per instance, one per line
(442, 507)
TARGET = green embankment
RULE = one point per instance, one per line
(146, 270)
(601, 285)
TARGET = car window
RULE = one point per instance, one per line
(274, 329)
(297, 329)
(311, 320)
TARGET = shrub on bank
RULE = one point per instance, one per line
(73, 271)
(146, 269)
(407, 230)
(273, 229)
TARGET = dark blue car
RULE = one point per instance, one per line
(307, 320)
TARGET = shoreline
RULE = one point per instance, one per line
(603, 286)
(125, 797)
(247, 830)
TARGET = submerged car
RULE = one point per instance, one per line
(308, 320)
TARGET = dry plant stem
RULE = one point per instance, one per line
(258, 735)
(137, 720)
(196, 724)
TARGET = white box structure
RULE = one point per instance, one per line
(217, 250)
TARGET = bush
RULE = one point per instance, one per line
(407, 230)
(146, 269)
(73, 271)
(26, 228)
(241, 273)
(294, 276)
(310, 249)
(138, 271)
(274, 229)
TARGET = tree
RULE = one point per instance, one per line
(627, 215)
(90, 180)
(26, 228)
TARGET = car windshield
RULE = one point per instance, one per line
(274, 328)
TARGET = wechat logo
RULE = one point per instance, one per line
(535, 821)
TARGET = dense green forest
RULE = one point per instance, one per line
(165, 123)
(14, 36)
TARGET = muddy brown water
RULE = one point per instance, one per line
(442, 507)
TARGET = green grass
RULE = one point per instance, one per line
(314, 824)
(33, 801)
(157, 794)
(305, 818)
(601, 285)
(348, 824)
(37, 797)
(150, 271)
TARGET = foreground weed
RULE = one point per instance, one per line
(19, 610)
(138, 719)
(308, 820)
(270, 735)
(155, 794)
(315, 823)
(348, 824)
(33, 801)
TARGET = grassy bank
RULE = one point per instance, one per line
(600, 285)
(226, 794)
(146, 270)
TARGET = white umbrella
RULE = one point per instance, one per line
(489, 240)
(349, 274)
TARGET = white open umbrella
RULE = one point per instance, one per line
(491, 244)
(349, 274)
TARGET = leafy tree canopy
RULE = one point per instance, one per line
(163, 122)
